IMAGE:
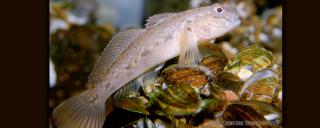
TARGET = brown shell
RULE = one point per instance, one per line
(262, 90)
(192, 75)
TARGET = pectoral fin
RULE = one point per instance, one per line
(189, 53)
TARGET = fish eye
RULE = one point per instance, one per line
(218, 9)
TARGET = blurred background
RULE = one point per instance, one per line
(80, 30)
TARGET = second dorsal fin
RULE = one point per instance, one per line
(115, 47)
(155, 19)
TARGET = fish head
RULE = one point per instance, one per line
(219, 19)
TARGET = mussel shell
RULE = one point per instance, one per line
(229, 81)
(177, 100)
(262, 86)
(252, 114)
(192, 75)
(252, 59)
(262, 90)
(212, 91)
(213, 57)
(134, 104)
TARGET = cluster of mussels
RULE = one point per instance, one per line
(217, 92)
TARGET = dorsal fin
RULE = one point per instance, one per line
(113, 50)
(155, 19)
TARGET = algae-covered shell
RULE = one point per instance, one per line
(213, 57)
(192, 75)
(249, 61)
(252, 114)
(229, 81)
(262, 86)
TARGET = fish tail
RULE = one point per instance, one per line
(81, 111)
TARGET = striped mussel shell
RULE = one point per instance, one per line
(192, 75)
(262, 86)
(249, 61)
(176, 100)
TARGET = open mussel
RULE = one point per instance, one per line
(249, 61)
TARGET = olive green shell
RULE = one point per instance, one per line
(229, 81)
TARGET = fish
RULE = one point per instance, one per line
(132, 52)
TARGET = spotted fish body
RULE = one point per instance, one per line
(131, 53)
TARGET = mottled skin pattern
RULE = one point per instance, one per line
(160, 43)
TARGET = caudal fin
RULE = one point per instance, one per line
(79, 112)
